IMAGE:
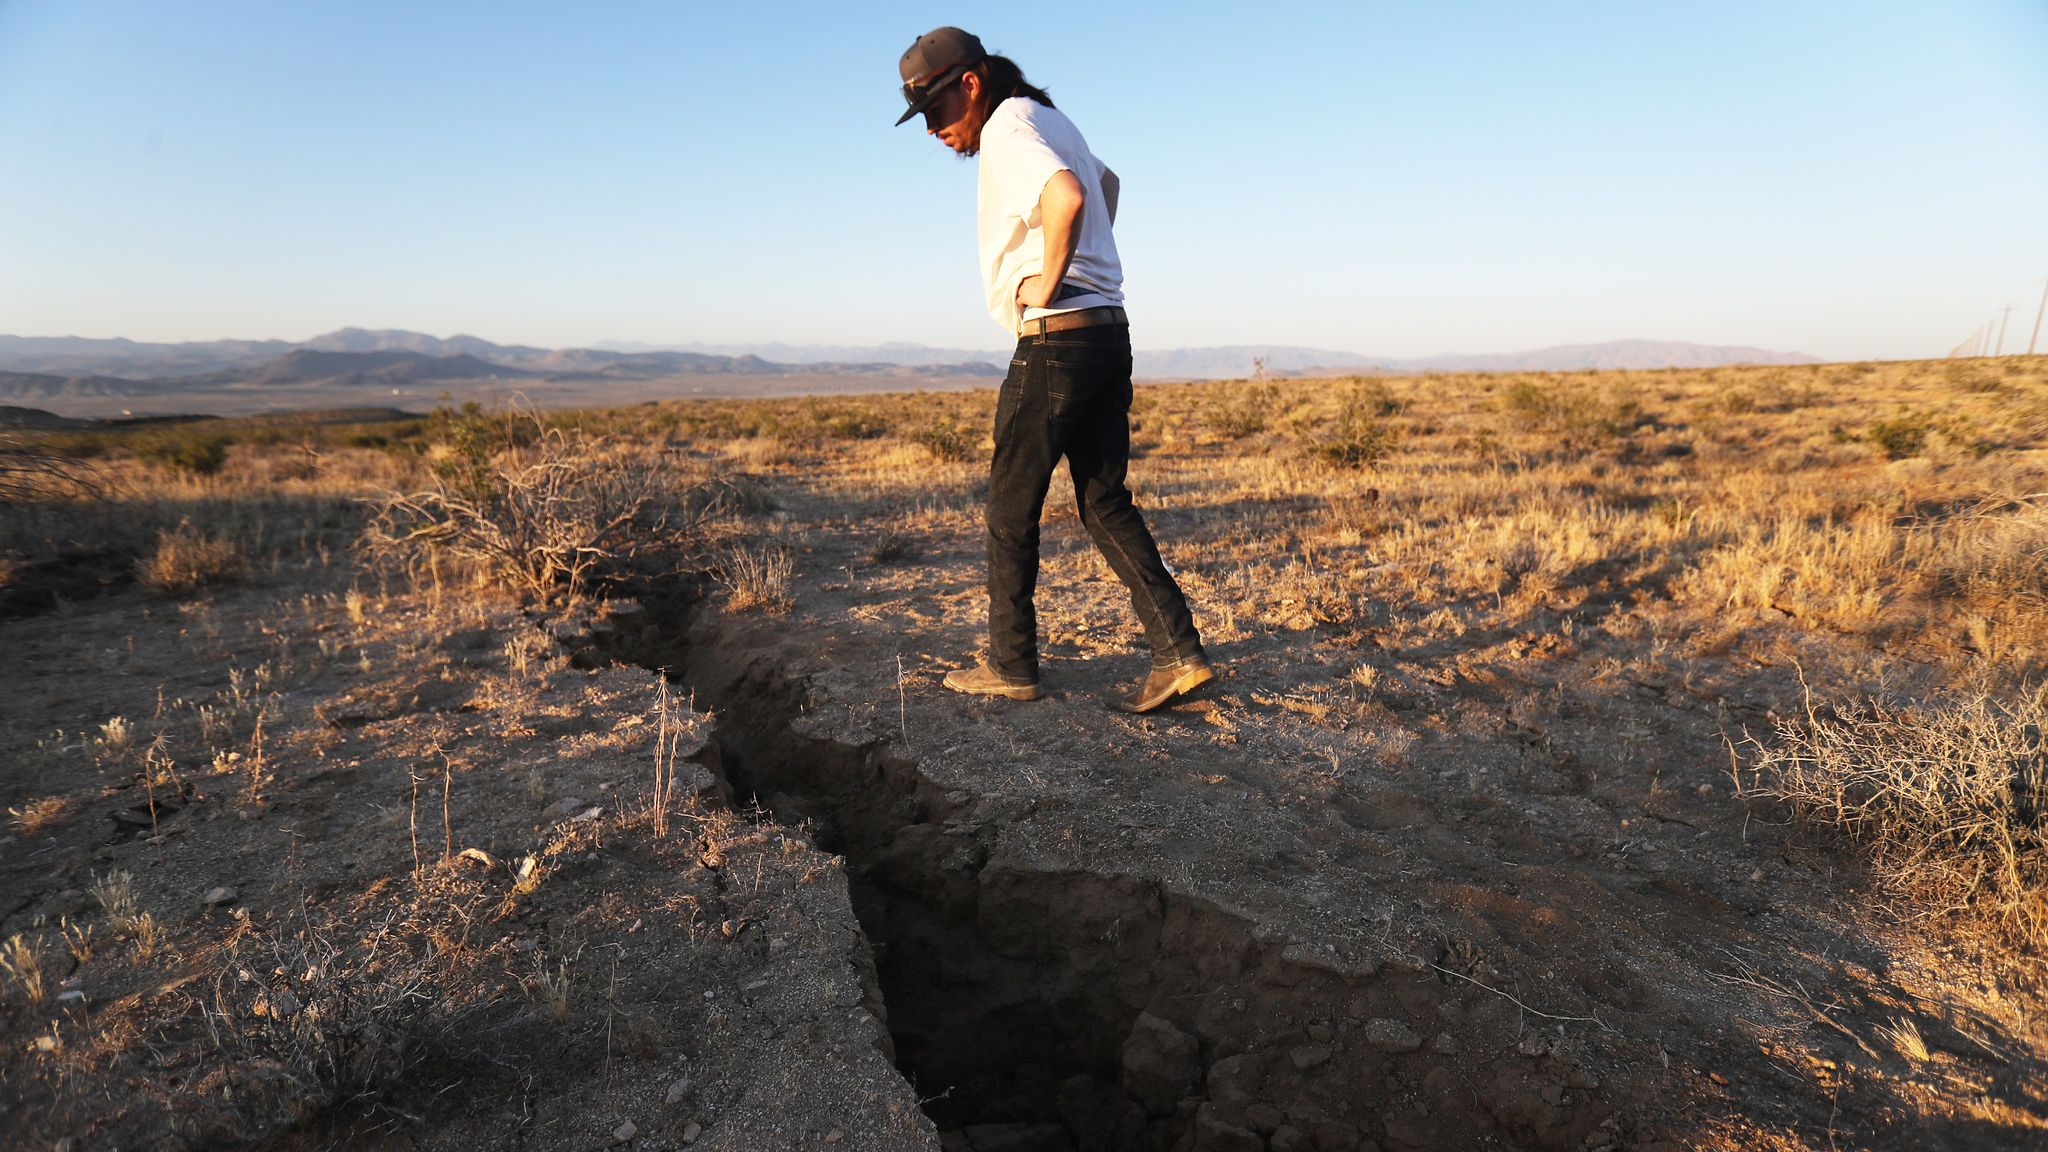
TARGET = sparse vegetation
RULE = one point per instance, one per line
(1951, 799)
(185, 559)
(1469, 627)
(542, 509)
(21, 959)
(1359, 436)
(198, 453)
(1576, 416)
(757, 579)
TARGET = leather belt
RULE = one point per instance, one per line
(1080, 318)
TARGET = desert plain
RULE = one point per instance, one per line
(1619, 760)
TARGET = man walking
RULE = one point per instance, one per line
(1045, 205)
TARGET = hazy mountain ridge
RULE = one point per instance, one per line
(1233, 360)
(69, 369)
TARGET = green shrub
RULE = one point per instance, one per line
(946, 440)
(1245, 408)
(1901, 437)
(1357, 438)
(196, 453)
(1580, 417)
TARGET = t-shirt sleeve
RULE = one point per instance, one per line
(1021, 162)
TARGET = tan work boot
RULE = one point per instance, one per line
(1163, 684)
(982, 680)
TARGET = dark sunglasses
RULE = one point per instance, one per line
(915, 94)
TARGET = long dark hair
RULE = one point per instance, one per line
(1005, 79)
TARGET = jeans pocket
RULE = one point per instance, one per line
(1010, 396)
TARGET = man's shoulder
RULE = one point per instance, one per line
(1021, 114)
(1027, 122)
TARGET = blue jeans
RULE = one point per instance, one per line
(1069, 394)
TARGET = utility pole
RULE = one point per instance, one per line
(2037, 318)
(2001, 330)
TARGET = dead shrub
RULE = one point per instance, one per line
(303, 1026)
(185, 559)
(1950, 800)
(31, 472)
(541, 511)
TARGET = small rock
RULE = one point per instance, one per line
(835, 1136)
(1533, 1044)
(1445, 1044)
(1288, 1138)
(1706, 790)
(624, 1132)
(1307, 1056)
(1756, 877)
(1320, 1033)
(1391, 1036)
(1264, 1118)
(1213, 1134)
(1160, 1064)
(563, 807)
(1335, 1136)
(677, 1090)
(215, 897)
(691, 1131)
(70, 996)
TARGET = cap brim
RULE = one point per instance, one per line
(921, 105)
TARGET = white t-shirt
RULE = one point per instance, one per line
(1023, 145)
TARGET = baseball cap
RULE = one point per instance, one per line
(935, 60)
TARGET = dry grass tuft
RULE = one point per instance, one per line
(21, 959)
(758, 580)
(185, 559)
(1951, 800)
(1904, 1037)
(40, 815)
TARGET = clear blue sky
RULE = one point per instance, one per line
(1853, 179)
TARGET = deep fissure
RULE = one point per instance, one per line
(1041, 1010)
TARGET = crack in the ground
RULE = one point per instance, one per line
(1071, 1010)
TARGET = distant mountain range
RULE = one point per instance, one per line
(354, 366)
(1286, 360)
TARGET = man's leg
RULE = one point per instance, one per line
(1018, 475)
(1098, 456)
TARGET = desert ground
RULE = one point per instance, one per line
(1627, 760)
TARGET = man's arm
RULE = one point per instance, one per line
(1110, 187)
(1059, 216)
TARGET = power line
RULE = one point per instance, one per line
(2037, 318)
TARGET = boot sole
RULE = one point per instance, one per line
(1027, 692)
(1183, 684)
